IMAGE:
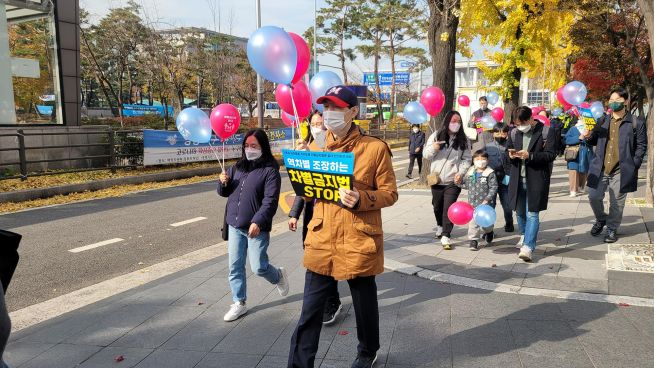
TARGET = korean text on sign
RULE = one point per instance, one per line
(319, 175)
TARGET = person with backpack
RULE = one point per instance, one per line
(621, 144)
(498, 160)
(532, 151)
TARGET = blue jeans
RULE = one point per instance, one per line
(239, 245)
(528, 222)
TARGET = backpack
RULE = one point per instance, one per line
(544, 133)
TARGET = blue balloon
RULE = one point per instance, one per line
(485, 216)
(575, 93)
(597, 109)
(557, 111)
(194, 125)
(488, 122)
(272, 54)
(415, 113)
(492, 97)
(320, 83)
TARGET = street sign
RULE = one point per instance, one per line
(407, 64)
(386, 78)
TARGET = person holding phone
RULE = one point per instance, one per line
(532, 150)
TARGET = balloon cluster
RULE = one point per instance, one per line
(573, 95)
(432, 101)
(461, 213)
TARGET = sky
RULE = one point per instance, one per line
(292, 15)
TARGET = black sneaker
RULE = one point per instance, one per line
(474, 245)
(408, 176)
(489, 237)
(331, 312)
(611, 236)
(364, 362)
(597, 228)
(509, 228)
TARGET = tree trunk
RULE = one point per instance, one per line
(647, 9)
(380, 111)
(199, 92)
(392, 55)
(443, 53)
(514, 100)
(342, 49)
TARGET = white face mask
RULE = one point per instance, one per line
(454, 127)
(252, 154)
(335, 122)
(524, 128)
(481, 164)
(319, 135)
(416, 130)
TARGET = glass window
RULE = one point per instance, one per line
(31, 51)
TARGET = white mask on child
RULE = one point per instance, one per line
(481, 164)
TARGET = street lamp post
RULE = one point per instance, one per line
(315, 36)
(260, 102)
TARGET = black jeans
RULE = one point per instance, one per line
(304, 343)
(412, 158)
(442, 197)
(503, 193)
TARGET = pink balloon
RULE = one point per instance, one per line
(225, 120)
(464, 101)
(301, 95)
(585, 105)
(433, 99)
(288, 119)
(497, 114)
(303, 57)
(460, 213)
(542, 119)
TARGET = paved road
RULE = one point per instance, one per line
(135, 229)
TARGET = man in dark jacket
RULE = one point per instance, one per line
(8, 260)
(532, 154)
(621, 141)
(416, 144)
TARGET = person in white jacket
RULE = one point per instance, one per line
(448, 149)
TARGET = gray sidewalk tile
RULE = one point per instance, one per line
(105, 358)
(166, 293)
(548, 344)
(115, 325)
(209, 292)
(215, 360)
(264, 326)
(171, 359)
(641, 318)
(19, 352)
(62, 356)
(478, 342)
(421, 345)
(631, 283)
(158, 329)
(566, 283)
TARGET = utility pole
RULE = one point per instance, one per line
(315, 37)
(260, 102)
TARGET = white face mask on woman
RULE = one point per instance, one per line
(524, 128)
(252, 154)
(319, 135)
(416, 130)
(454, 127)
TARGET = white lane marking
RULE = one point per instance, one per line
(400, 162)
(96, 245)
(181, 223)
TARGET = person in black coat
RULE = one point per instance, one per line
(532, 154)
(8, 261)
(621, 141)
(253, 187)
(416, 144)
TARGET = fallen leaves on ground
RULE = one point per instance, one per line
(116, 191)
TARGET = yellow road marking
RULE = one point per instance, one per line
(282, 201)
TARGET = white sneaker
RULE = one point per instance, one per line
(439, 231)
(445, 242)
(282, 285)
(520, 242)
(236, 310)
(525, 253)
(573, 194)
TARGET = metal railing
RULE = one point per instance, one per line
(113, 149)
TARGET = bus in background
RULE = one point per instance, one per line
(372, 112)
(271, 110)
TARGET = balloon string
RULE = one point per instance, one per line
(222, 164)
(297, 119)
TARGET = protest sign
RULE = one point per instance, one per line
(319, 175)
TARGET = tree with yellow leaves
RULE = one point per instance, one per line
(531, 35)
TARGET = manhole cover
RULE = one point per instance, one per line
(630, 257)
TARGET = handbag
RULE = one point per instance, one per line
(571, 153)
(435, 178)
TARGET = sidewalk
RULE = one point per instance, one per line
(177, 322)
